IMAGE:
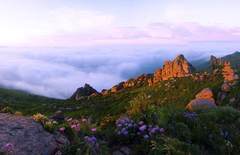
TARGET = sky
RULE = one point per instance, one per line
(51, 47)
(93, 22)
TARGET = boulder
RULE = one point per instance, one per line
(58, 116)
(205, 94)
(225, 87)
(204, 100)
(201, 104)
(122, 151)
(27, 137)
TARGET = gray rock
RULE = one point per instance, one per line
(201, 104)
(28, 137)
(225, 87)
(122, 151)
(58, 116)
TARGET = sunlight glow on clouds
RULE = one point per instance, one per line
(77, 23)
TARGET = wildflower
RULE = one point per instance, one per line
(8, 148)
(92, 140)
(84, 120)
(62, 129)
(58, 153)
(142, 128)
(94, 129)
(141, 123)
(76, 127)
(39, 117)
(145, 137)
(73, 126)
(69, 120)
(125, 133)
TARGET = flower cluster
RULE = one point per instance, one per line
(92, 144)
(126, 127)
(8, 148)
(83, 124)
(190, 115)
(39, 118)
(91, 140)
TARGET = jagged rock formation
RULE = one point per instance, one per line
(85, 91)
(28, 137)
(215, 62)
(228, 73)
(136, 82)
(203, 100)
(179, 67)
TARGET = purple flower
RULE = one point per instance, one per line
(142, 128)
(125, 133)
(146, 137)
(141, 123)
(8, 148)
(162, 130)
(94, 129)
(92, 140)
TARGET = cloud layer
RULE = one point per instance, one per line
(58, 72)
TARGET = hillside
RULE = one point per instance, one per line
(175, 110)
(26, 102)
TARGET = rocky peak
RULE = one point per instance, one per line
(87, 90)
(179, 67)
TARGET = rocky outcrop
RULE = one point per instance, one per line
(205, 94)
(215, 62)
(27, 137)
(85, 91)
(179, 67)
(203, 100)
(228, 73)
(135, 82)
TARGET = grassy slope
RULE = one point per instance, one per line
(27, 103)
(176, 92)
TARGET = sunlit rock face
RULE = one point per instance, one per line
(203, 100)
(179, 67)
(227, 72)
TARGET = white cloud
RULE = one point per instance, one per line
(77, 20)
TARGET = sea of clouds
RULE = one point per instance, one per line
(58, 72)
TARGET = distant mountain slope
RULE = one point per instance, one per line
(203, 64)
(25, 102)
(233, 58)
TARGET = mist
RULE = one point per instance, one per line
(58, 72)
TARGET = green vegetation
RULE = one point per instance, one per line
(147, 120)
(27, 103)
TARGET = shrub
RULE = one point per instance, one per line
(139, 105)
(18, 113)
(7, 110)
